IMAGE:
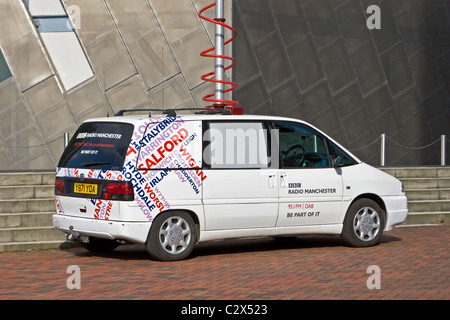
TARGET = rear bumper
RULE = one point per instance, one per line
(136, 232)
(397, 211)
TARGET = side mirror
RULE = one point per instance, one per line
(338, 161)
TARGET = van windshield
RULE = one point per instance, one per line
(98, 145)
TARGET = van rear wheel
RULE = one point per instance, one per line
(363, 223)
(172, 236)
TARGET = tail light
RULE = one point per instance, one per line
(118, 190)
(59, 187)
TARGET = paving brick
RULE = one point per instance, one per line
(413, 262)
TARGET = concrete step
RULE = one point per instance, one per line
(27, 192)
(425, 183)
(27, 205)
(32, 245)
(427, 218)
(418, 172)
(30, 234)
(27, 179)
(428, 194)
(30, 219)
(436, 206)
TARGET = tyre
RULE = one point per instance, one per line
(172, 236)
(99, 245)
(363, 224)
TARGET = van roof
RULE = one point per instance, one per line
(138, 118)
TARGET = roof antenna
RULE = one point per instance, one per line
(218, 75)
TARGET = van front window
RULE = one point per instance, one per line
(301, 146)
(98, 145)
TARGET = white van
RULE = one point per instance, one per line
(172, 181)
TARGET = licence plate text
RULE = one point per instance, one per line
(86, 188)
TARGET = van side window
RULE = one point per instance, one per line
(236, 145)
(301, 147)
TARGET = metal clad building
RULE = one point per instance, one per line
(324, 61)
(354, 68)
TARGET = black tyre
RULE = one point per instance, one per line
(99, 245)
(363, 224)
(285, 238)
(172, 236)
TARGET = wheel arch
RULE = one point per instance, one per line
(370, 196)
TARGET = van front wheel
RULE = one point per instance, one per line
(363, 223)
(172, 236)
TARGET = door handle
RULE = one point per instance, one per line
(272, 181)
(283, 178)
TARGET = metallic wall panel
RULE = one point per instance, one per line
(337, 65)
(5, 162)
(273, 61)
(27, 61)
(134, 19)
(128, 95)
(51, 114)
(14, 118)
(103, 44)
(110, 60)
(27, 150)
(13, 114)
(144, 39)
(14, 23)
(176, 18)
(351, 81)
(186, 52)
(53, 121)
(87, 96)
(43, 96)
(172, 94)
(94, 19)
(153, 58)
(306, 63)
(187, 38)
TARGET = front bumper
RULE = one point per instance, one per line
(396, 210)
(136, 232)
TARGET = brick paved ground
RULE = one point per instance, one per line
(414, 263)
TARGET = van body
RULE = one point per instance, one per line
(170, 182)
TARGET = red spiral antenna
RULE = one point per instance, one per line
(217, 76)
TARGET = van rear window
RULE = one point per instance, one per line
(98, 145)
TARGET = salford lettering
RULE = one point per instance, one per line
(167, 147)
